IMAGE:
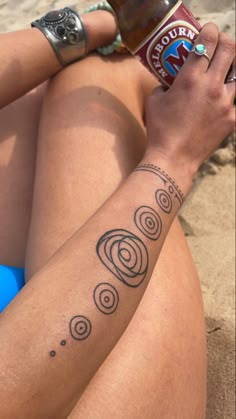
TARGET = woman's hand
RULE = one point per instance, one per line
(186, 123)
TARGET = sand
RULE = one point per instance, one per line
(208, 218)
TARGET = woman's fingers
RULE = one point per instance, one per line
(231, 81)
(223, 57)
(209, 38)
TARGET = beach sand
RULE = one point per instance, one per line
(208, 217)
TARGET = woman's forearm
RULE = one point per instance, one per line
(27, 58)
(71, 314)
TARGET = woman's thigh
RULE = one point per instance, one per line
(18, 141)
(91, 136)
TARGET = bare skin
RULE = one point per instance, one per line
(34, 65)
(20, 121)
(180, 280)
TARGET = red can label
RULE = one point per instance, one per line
(168, 46)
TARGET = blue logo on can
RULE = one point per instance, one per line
(169, 49)
(175, 55)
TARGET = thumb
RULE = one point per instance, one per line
(150, 101)
(158, 91)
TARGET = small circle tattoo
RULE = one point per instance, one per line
(148, 222)
(63, 342)
(164, 200)
(52, 353)
(106, 298)
(80, 327)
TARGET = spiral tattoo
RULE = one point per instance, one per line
(106, 298)
(125, 255)
(164, 200)
(80, 327)
(148, 222)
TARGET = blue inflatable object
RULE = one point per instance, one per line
(11, 282)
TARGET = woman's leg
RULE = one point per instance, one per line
(18, 141)
(158, 368)
(91, 136)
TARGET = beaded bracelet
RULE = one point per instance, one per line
(117, 45)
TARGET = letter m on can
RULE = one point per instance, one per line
(176, 61)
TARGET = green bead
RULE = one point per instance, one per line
(109, 49)
(200, 49)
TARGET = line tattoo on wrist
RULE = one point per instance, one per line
(148, 222)
(170, 185)
(106, 298)
(125, 255)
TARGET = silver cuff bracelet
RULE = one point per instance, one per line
(66, 33)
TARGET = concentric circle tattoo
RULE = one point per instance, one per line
(125, 255)
(164, 200)
(80, 327)
(148, 222)
(106, 298)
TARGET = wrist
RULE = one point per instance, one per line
(101, 28)
(179, 170)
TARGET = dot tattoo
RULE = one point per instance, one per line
(52, 353)
(63, 342)
(80, 327)
(125, 255)
(106, 298)
(148, 222)
(164, 200)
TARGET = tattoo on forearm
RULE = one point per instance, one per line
(106, 298)
(169, 183)
(148, 222)
(164, 200)
(125, 255)
(80, 327)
